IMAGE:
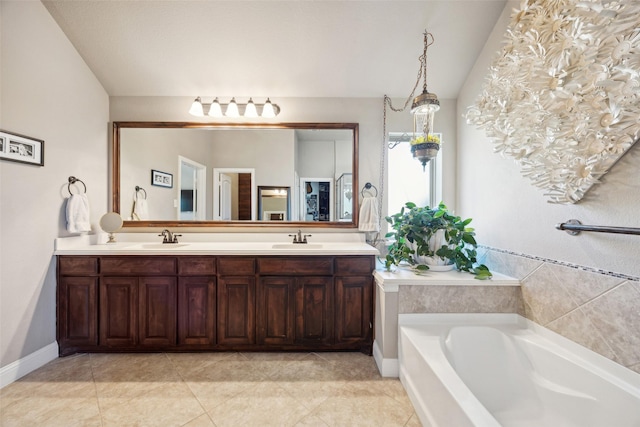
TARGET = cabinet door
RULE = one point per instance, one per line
(354, 309)
(314, 310)
(236, 310)
(196, 310)
(274, 312)
(157, 311)
(118, 311)
(77, 311)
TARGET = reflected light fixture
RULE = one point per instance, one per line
(425, 144)
(234, 109)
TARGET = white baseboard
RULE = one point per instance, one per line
(387, 367)
(21, 367)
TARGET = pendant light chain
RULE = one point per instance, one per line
(423, 58)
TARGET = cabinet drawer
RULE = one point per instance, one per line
(77, 265)
(355, 265)
(140, 266)
(233, 266)
(293, 265)
(197, 266)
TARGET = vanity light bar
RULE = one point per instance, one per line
(234, 109)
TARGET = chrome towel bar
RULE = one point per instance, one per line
(574, 227)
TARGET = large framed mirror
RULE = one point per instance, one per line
(184, 174)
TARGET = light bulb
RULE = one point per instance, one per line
(196, 108)
(267, 109)
(250, 111)
(232, 109)
(215, 110)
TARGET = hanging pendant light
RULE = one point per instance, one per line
(425, 144)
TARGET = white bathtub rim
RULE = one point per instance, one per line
(448, 378)
(605, 368)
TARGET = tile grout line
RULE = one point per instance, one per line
(177, 371)
(95, 387)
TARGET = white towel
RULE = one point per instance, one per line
(140, 209)
(78, 214)
(369, 219)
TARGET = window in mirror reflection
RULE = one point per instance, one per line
(273, 203)
(344, 193)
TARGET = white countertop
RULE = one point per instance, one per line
(218, 244)
(389, 281)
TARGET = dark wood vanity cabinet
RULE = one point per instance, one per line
(197, 302)
(174, 303)
(138, 302)
(295, 301)
(77, 309)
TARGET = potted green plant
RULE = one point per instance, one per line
(429, 238)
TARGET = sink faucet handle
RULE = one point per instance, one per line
(167, 236)
(305, 237)
(175, 237)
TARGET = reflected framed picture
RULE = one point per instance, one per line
(161, 179)
(21, 148)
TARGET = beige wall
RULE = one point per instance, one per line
(47, 92)
(509, 213)
(585, 287)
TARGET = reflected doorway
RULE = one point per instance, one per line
(273, 203)
(316, 199)
(192, 188)
(234, 194)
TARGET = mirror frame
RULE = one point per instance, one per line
(115, 173)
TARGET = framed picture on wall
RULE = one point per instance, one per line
(161, 179)
(20, 148)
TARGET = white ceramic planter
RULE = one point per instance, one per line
(434, 263)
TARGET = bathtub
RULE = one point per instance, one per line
(502, 370)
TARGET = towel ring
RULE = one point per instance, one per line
(138, 189)
(368, 186)
(73, 180)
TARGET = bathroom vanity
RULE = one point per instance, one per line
(195, 297)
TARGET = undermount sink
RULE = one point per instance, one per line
(297, 246)
(161, 245)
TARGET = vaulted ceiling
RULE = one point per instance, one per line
(276, 48)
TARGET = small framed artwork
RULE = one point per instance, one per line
(20, 148)
(161, 179)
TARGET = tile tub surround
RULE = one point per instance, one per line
(402, 291)
(212, 389)
(597, 309)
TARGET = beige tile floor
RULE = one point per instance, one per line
(207, 389)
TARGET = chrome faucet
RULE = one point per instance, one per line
(169, 237)
(299, 238)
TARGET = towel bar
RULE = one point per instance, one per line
(73, 180)
(138, 189)
(368, 186)
(574, 227)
